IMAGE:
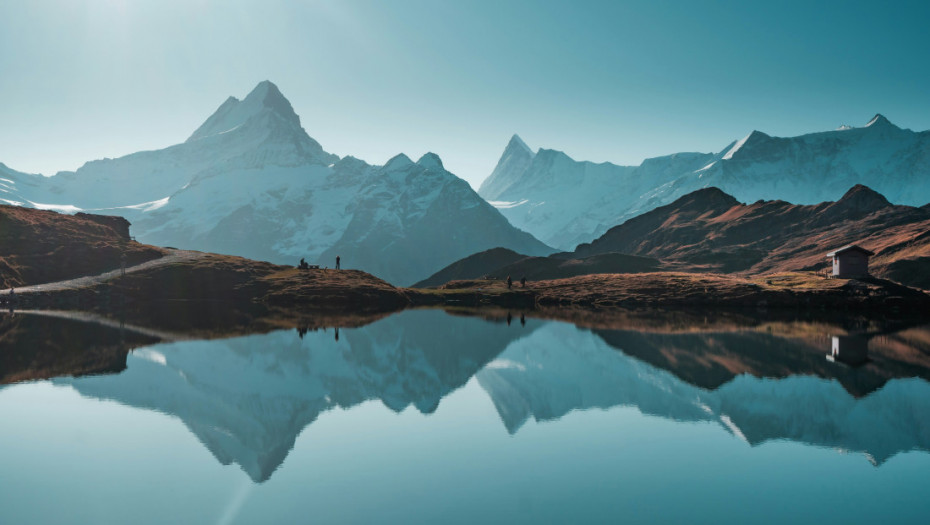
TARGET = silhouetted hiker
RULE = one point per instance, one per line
(509, 318)
(509, 282)
(337, 262)
(303, 263)
(337, 333)
(523, 282)
(522, 320)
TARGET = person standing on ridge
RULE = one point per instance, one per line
(509, 282)
(337, 262)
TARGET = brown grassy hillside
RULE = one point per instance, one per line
(39, 246)
(708, 230)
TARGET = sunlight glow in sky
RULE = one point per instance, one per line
(603, 81)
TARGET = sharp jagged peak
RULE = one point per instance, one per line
(514, 161)
(879, 120)
(431, 161)
(233, 113)
(516, 143)
(754, 137)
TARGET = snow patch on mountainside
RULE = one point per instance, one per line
(503, 205)
(732, 151)
(61, 208)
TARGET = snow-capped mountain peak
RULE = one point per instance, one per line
(879, 120)
(749, 141)
(517, 143)
(251, 182)
(234, 113)
(515, 160)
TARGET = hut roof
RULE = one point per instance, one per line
(850, 247)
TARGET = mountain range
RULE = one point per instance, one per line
(251, 182)
(709, 230)
(564, 202)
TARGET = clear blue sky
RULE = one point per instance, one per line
(612, 80)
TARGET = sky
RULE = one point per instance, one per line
(616, 81)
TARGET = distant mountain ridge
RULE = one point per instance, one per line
(564, 202)
(500, 263)
(251, 182)
(709, 230)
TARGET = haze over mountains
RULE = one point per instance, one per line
(251, 182)
(564, 202)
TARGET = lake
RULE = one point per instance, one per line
(426, 416)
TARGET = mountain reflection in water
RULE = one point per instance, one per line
(861, 387)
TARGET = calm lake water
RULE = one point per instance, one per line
(427, 417)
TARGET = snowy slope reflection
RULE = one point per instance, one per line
(247, 398)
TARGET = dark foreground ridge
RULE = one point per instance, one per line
(795, 290)
(708, 231)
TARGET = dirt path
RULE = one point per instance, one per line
(81, 282)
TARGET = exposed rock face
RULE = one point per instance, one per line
(118, 224)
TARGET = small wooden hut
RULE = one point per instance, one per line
(850, 262)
